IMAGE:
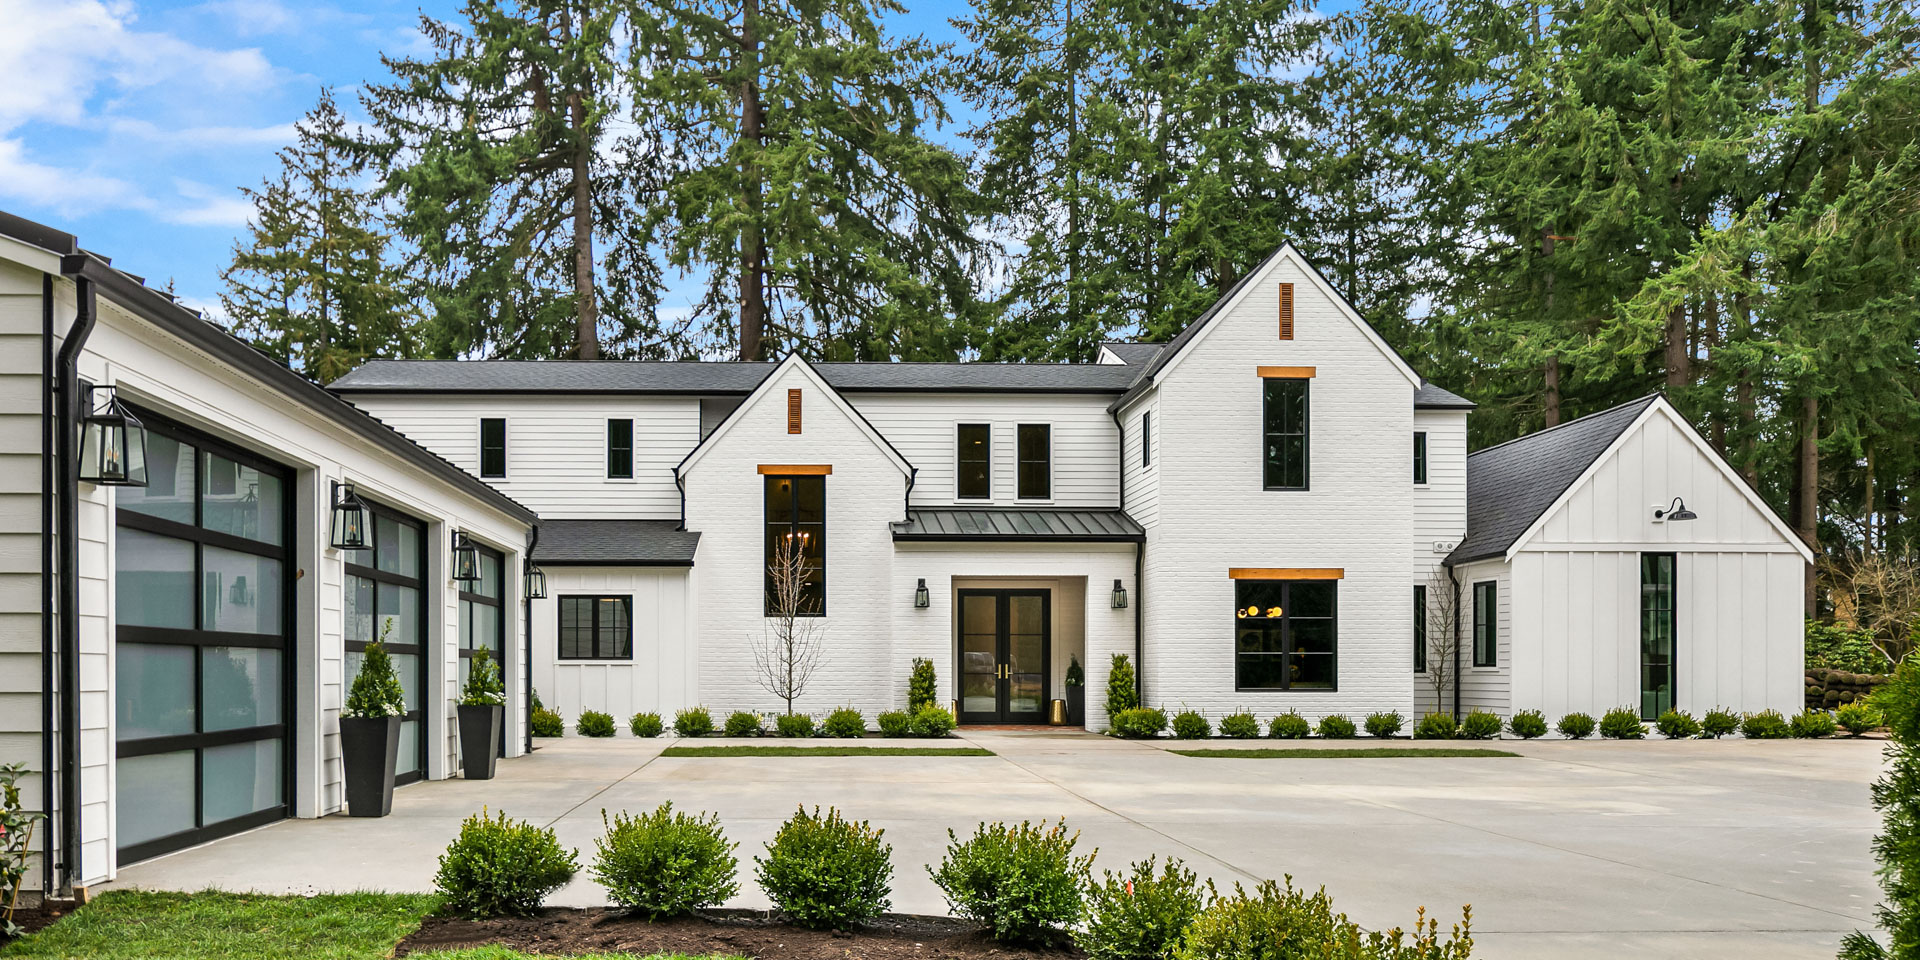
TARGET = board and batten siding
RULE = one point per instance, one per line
(557, 446)
(923, 427)
(21, 405)
(661, 676)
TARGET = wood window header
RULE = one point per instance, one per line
(1287, 573)
(793, 411)
(1286, 311)
(796, 469)
(1286, 373)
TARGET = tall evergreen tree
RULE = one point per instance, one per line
(313, 284)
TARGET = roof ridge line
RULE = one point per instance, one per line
(1544, 431)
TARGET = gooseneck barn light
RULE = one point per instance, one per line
(1677, 510)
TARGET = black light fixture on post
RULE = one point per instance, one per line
(920, 598)
(351, 519)
(113, 444)
(536, 582)
(1119, 595)
(1677, 510)
(466, 559)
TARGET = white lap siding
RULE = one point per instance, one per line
(21, 353)
(1487, 688)
(1439, 523)
(660, 677)
(1085, 456)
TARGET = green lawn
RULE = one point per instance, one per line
(1309, 753)
(770, 751)
(124, 924)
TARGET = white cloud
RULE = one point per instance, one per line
(254, 17)
(209, 206)
(276, 135)
(67, 191)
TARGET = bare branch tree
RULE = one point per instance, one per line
(1878, 593)
(1443, 635)
(788, 650)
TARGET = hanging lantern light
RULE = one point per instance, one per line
(1119, 595)
(920, 597)
(536, 582)
(113, 444)
(351, 519)
(466, 559)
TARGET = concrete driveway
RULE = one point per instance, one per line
(1697, 849)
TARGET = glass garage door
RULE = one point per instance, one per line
(385, 593)
(202, 617)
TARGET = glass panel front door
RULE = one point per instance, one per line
(1005, 655)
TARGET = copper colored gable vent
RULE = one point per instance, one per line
(793, 410)
(1286, 311)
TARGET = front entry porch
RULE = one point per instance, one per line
(1013, 641)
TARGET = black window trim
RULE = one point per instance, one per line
(1420, 464)
(612, 449)
(560, 619)
(1419, 628)
(1673, 627)
(1146, 439)
(422, 646)
(481, 466)
(793, 526)
(1287, 640)
(1306, 433)
(1486, 615)
(959, 492)
(1019, 463)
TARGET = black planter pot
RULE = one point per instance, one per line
(368, 748)
(1076, 706)
(479, 737)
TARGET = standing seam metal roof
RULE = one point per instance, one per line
(1003, 523)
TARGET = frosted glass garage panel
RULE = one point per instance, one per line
(154, 796)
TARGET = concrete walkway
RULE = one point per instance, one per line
(1727, 849)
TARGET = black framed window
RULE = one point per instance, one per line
(493, 447)
(1486, 623)
(1658, 629)
(1033, 446)
(203, 649)
(1286, 634)
(1146, 438)
(620, 449)
(973, 462)
(596, 628)
(386, 599)
(1284, 422)
(1420, 456)
(1419, 629)
(796, 511)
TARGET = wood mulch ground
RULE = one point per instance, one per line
(34, 919)
(743, 933)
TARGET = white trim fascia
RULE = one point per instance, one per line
(957, 498)
(806, 369)
(1108, 357)
(30, 256)
(1051, 493)
(1152, 390)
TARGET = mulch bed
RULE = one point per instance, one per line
(744, 933)
(35, 919)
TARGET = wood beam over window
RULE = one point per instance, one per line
(1286, 573)
(1286, 373)
(796, 469)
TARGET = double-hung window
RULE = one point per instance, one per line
(973, 462)
(493, 447)
(1486, 623)
(620, 449)
(1284, 425)
(1419, 629)
(1033, 444)
(796, 547)
(1285, 634)
(596, 628)
(1420, 457)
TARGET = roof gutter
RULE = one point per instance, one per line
(65, 463)
(526, 643)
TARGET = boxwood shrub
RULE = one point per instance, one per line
(1622, 723)
(664, 864)
(932, 722)
(646, 725)
(844, 722)
(1528, 724)
(1576, 726)
(1239, 725)
(1436, 726)
(1022, 883)
(1765, 725)
(500, 867)
(547, 723)
(593, 723)
(1139, 723)
(1857, 717)
(1808, 724)
(1386, 723)
(693, 722)
(1289, 726)
(1677, 725)
(1275, 922)
(827, 872)
(794, 725)
(1719, 722)
(1335, 727)
(1480, 725)
(1141, 914)
(743, 723)
(1191, 725)
(895, 723)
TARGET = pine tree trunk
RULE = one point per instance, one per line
(586, 343)
(1679, 364)
(753, 248)
(1808, 520)
(1550, 373)
(1743, 391)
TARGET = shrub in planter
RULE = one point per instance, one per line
(1809, 724)
(664, 864)
(693, 722)
(481, 714)
(1139, 723)
(794, 725)
(1335, 727)
(1283, 923)
(1076, 684)
(646, 725)
(1858, 718)
(593, 723)
(932, 722)
(1621, 723)
(743, 723)
(1141, 914)
(1386, 723)
(1239, 725)
(1436, 726)
(370, 730)
(1677, 725)
(826, 872)
(499, 867)
(546, 723)
(920, 685)
(1528, 724)
(1191, 725)
(1289, 726)
(895, 723)
(844, 722)
(1576, 726)
(1122, 694)
(1765, 725)
(1719, 722)
(1022, 882)
(1480, 725)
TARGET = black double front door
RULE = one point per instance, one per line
(1006, 654)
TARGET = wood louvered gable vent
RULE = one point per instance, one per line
(793, 410)
(1286, 311)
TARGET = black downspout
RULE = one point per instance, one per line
(1455, 581)
(526, 640)
(680, 484)
(66, 460)
(46, 576)
(1139, 588)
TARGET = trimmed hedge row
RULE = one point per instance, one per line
(1620, 723)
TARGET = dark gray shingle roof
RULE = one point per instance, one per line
(1067, 525)
(1510, 485)
(718, 377)
(619, 543)
(1430, 397)
(1132, 352)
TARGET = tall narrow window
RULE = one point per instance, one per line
(493, 447)
(1420, 456)
(973, 462)
(596, 628)
(1419, 629)
(1034, 444)
(1146, 438)
(797, 515)
(1285, 423)
(1486, 623)
(1285, 634)
(620, 449)
(1657, 623)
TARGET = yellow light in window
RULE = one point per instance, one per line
(1273, 611)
